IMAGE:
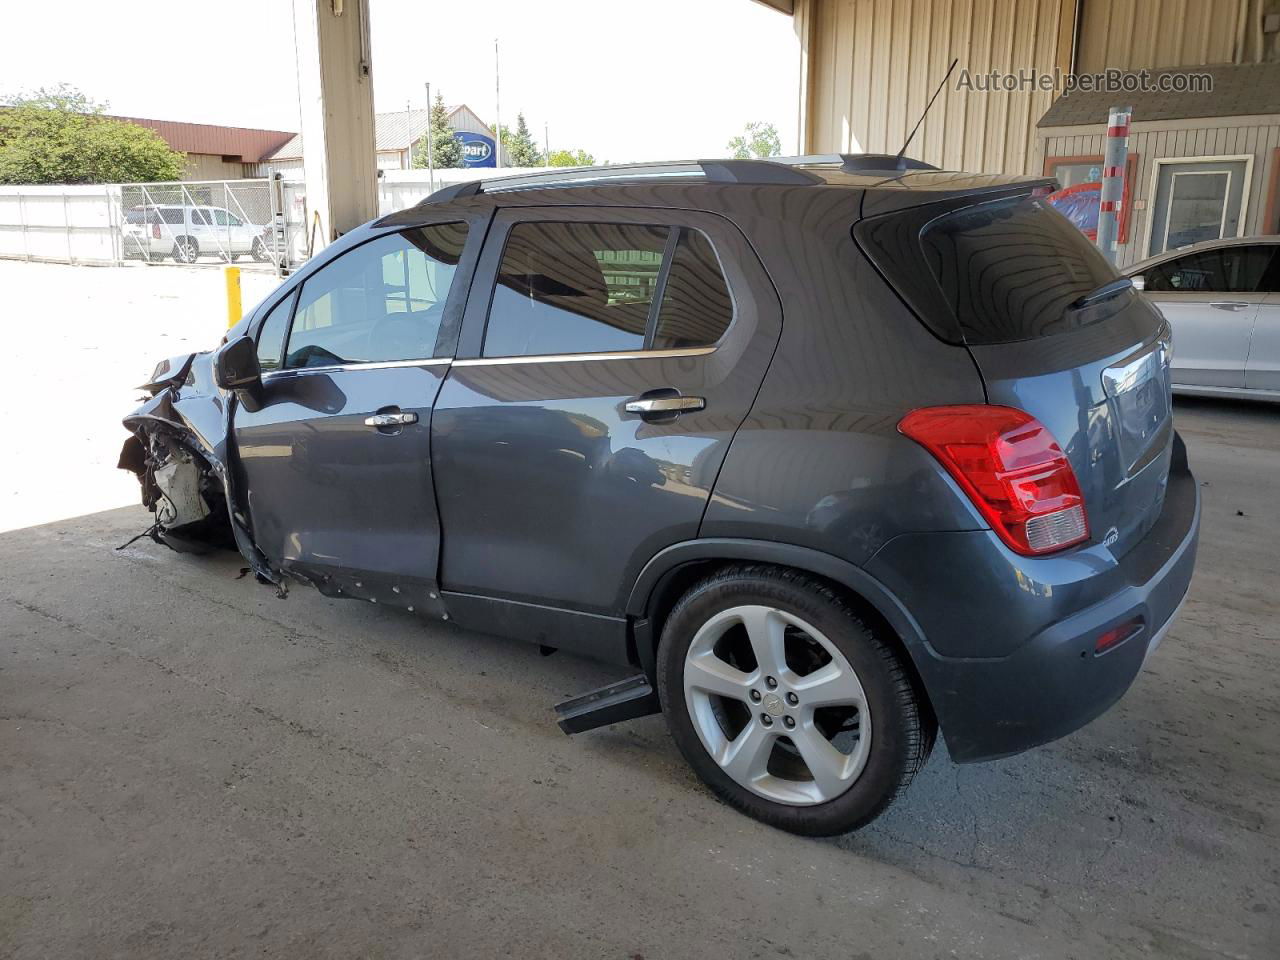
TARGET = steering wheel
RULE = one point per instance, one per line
(400, 336)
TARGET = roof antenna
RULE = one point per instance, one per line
(911, 136)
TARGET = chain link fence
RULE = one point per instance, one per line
(211, 222)
(195, 223)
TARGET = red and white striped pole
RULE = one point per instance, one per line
(1117, 150)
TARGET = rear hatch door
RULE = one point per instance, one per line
(1054, 331)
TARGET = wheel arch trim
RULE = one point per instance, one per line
(842, 572)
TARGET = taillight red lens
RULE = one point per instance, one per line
(155, 230)
(1012, 469)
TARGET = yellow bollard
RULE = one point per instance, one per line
(234, 311)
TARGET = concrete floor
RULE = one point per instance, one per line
(190, 767)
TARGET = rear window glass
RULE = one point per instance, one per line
(1002, 271)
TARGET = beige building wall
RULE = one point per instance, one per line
(206, 166)
(1131, 34)
(868, 67)
(871, 65)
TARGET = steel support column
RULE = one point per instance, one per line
(335, 89)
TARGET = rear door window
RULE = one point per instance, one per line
(570, 288)
(696, 306)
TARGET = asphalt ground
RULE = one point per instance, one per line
(191, 767)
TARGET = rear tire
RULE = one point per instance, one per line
(185, 250)
(259, 251)
(817, 740)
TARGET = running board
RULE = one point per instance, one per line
(624, 700)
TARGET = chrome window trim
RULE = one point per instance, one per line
(577, 357)
(374, 365)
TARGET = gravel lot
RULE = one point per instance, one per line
(190, 767)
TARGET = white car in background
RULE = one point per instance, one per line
(186, 233)
(1222, 299)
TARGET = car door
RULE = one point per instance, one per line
(230, 234)
(1262, 372)
(1210, 298)
(199, 226)
(336, 456)
(607, 357)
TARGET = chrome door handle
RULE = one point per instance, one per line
(1229, 304)
(390, 419)
(665, 405)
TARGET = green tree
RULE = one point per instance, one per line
(446, 149)
(758, 140)
(571, 158)
(518, 147)
(60, 136)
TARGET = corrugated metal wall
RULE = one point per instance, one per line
(1170, 33)
(872, 65)
(1178, 140)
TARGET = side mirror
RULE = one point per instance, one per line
(1139, 281)
(236, 367)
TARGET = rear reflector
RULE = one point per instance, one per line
(1117, 635)
(1012, 469)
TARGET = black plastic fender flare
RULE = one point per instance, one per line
(669, 559)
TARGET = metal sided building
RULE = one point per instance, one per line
(868, 68)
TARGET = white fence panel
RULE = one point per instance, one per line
(401, 189)
(71, 224)
(87, 224)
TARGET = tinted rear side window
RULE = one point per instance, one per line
(567, 288)
(696, 308)
(995, 272)
(574, 288)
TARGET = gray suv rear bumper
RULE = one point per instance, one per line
(1041, 622)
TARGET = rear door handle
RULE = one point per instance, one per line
(390, 419)
(1229, 304)
(665, 405)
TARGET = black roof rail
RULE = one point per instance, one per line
(756, 171)
(715, 171)
(878, 162)
(455, 191)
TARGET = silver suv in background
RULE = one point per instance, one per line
(1222, 299)
(186, 233)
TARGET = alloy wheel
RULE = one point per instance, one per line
(777, 705)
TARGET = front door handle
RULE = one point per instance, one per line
(1229, 304)
(661, 405)
(390, 419)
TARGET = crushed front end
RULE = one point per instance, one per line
(178, 451)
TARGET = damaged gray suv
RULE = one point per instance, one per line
(832, 454)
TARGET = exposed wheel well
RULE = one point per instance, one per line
(675, 583)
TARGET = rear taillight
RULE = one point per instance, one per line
(155, 230)
(1012, 469)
